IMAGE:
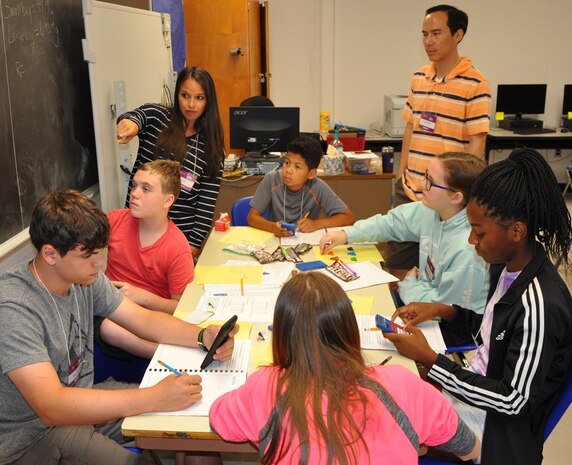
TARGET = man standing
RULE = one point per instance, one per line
(448, 110)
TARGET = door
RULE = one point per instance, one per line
(223, 36)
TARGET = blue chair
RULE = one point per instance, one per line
(239, 211)
(128, 371)
(557, 413)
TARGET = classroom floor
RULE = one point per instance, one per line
(557, 447)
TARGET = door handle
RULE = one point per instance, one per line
(236, 51)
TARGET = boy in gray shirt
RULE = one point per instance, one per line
(47, 404)
(295, 195)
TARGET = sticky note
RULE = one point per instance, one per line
(499, 115)
(228, 274)
(245, 234)
(570, 115)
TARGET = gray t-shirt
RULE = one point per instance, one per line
(33, 330)
(283, 205)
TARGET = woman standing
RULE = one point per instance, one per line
(190, 132)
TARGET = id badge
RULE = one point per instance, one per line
(74, 370)
(188, 180)
(428, 121)
(429, 269)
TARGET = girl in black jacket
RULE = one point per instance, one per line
(518, 219)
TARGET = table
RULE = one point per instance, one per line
(499, 139)
(182, 434)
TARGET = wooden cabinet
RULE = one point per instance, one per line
(365, 195)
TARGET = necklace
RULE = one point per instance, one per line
(59, 314)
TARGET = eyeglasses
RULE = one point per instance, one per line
(429, 183)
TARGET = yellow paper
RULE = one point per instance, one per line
(245, 234)
(360, 253)
(570, 115)
(499, 115)
(228, 274)
(260, 354)
(362, 305)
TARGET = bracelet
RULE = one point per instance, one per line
(200, 343)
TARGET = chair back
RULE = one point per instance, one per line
(239, 211)
(561, 406)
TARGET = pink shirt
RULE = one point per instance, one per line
(163, 268)
(241, 414)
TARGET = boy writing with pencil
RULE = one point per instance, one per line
(148, 257)
(50, 411)
(296, 196)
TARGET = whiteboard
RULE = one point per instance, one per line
(122, 45)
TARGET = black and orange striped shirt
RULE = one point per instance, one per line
(461, 104)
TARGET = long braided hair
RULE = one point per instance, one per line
(523, 188)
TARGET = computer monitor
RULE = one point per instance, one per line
(567, 101)
(520, 99)
(259, 130)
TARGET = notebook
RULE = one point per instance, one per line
(217, 379)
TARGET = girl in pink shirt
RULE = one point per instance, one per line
(319, 403)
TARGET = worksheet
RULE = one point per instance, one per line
(247, 308)
(217, 379)
(371, 338)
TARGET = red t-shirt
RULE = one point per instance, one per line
(163, 268)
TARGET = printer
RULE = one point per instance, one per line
(393, 105)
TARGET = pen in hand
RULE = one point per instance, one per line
(170, 368)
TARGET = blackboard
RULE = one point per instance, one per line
(46, 123)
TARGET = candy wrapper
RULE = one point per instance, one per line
(291, 254)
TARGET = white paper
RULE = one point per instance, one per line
(217, 379)
(376, 339)
(247, 308)
(369, 275)
(303, 238)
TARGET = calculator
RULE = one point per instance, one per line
(388, 326)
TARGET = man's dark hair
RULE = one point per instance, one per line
(457, 19)
(67, 219)
(308, 148)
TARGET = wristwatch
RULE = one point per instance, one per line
(200, 340)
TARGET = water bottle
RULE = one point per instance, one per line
(337, 144)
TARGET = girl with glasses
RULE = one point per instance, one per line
(439, 223)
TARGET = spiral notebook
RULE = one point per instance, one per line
(218, 378)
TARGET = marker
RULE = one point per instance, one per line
(241, 286)
(349, 269)
(386, 360)
(372, 329)
(170, 368)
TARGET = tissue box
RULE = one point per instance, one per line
(223, 223)
(333, 164)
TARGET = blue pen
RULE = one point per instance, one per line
(170, 368)
(223, 294)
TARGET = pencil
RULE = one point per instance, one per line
(306, 215)
(241, 286)
(372, 329)
(170, 368)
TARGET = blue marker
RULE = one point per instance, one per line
(289, 226)
(170, 368)
(220, 295)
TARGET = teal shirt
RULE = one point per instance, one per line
(459, 275)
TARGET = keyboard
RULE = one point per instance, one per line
(528, 131)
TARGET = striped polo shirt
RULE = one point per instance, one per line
(461, 104)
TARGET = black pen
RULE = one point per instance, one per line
(386, 360)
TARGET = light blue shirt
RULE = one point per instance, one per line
(459, 276)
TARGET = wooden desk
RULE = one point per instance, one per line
(182, 434)
(365, 195)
